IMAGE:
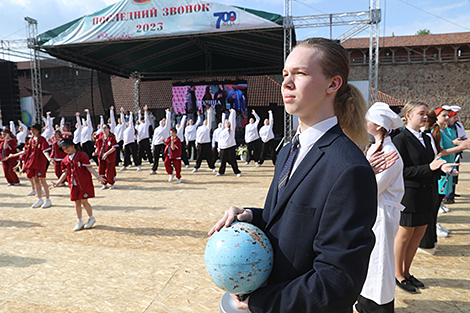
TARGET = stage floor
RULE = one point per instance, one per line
(146, 250)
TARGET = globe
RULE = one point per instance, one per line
(239, 258)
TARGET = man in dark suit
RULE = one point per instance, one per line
(322, 202)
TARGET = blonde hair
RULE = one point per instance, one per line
(349, 104)
(410, 106)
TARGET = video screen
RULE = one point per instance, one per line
(191, 98)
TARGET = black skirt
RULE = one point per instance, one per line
(415, 219)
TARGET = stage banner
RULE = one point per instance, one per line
(138, 19)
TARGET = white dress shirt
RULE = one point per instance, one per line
(180, 130)
(87, 131)
(310, 136)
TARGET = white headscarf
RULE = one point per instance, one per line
(381, 114)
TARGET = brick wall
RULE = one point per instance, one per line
(436, 84)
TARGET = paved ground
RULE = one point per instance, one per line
(145, 253)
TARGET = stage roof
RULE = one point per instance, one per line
(167, 39)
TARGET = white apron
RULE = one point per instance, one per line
(380, 281)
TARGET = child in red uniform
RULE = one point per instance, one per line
(106, 146)
(36, 160)
(8, 146)
(76, 169)
(57, 155)
(173, 155)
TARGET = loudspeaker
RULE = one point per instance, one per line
(9, 92)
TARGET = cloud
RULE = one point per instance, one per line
(440, 10)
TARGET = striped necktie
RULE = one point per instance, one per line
(286, 170)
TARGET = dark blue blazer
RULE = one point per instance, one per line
(320, 229)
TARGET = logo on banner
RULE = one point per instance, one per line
(141, 1)
(225, 19)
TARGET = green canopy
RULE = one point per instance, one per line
(167, 39)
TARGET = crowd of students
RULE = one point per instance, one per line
(32, 150)
(344, 231)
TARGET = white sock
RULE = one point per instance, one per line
(91, 217)
(80, 220)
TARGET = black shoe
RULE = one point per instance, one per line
(457, 195)
(406, 286)
(415, 282)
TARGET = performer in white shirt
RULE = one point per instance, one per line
(118, 131)
(160, 134)
(77, 134)
(215, 140)
(143, 140)
(130, 147)
(86, 141)
(227, 145)
(190, 135)
(49, 128)
(267, 139)
(378, 292)
(203, 143)
(252, 139)
(180, 133)
(22, 134)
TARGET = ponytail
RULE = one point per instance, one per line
(349, 104)
(436, 134)
(350, 109)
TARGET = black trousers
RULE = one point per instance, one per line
(430, 236)
(228, 155)
(89, 147)
(268, 147)
(144, 150)
(215, 152)
(365, 305)
(131, 149)
(204, 152)
(191, 149)
(157, 151)
(253, 150)
(184, 154)
(118, 152)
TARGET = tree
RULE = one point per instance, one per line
(423, 32)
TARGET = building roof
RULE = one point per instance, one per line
(391, 101)
(411, 41)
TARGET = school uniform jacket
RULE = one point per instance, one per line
(320, 229)
(420, 181)
(104, 144)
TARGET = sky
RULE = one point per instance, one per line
(399, 17)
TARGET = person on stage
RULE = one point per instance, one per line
(252, 139)
(76, 169)
(143, 139)
(8, 145)
(105, 151)
(172, 154)
(203, 143)
(227, 145)
(268, 145)
(160, 134)
(322, 203)
(36, 162)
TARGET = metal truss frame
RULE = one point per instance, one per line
(359, 21)
(36, 86)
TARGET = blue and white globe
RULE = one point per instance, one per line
(239, 258)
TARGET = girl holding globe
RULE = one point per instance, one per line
(322, 202)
